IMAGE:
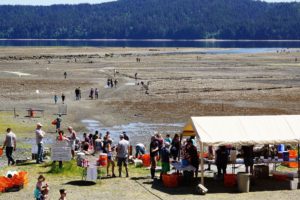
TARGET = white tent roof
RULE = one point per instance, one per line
(245, 130)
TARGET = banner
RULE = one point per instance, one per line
(61, 151)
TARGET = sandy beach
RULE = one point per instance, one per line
(181, 83)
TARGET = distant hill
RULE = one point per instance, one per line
(172, 19)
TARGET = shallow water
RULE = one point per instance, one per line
(137, 131)
(17, 73)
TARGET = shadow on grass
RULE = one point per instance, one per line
(26, 164)
(217, 186)
(81, 183)
(138, 178)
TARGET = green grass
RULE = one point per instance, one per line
(69, 168)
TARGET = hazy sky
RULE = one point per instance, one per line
(49, 2)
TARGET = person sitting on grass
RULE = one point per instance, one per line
(63, 194)
(165, 159)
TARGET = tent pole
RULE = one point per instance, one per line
(298, 163)
(202, 162)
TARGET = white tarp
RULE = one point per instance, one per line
(245, 130)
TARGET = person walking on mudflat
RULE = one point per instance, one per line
(55, 98)
(65, 75)
(10, 144)
(63, 97)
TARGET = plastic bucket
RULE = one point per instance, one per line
(170, 180)
(292, 153)
(230, 180)
(293, 184)
(243, 182)
(103, 159)
(146, 160)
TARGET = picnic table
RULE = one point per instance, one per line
(32, 112)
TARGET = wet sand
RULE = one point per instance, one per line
(181, 84)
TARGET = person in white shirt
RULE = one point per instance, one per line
(10, 143)
(122, 155)
(72, 139)
(39, 134)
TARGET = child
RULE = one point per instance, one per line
(63, 194)
(41, 192)
(165, 159)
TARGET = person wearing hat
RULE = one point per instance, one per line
(63, 194)
(165, 159)
(122, 155)
(39, 134)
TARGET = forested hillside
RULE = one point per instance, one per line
(173, 19)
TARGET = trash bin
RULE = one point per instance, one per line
(294, 184)
(243, 182)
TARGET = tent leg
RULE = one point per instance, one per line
(202, 163)
(298, 163)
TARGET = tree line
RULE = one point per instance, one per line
(164, 19)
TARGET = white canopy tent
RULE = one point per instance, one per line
(245, 130)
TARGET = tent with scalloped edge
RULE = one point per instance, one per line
(243, 130)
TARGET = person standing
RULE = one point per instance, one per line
(63, 97)
(165, 159)
(154, 149)
(193, 155)
(175, 147)
(72, 139)
(122, 155)
(61, 137)
(247, 152)
(96, 93)
(79, 93)
(92, 93)
(40, 134)
(58, 123)
(65, 75)
(10, 144)
(221, 160)
(55, 98)
(107, 148)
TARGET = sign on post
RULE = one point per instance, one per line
(61, 151)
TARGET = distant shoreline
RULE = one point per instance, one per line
(154, 40)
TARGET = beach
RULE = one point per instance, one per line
(177, 83)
